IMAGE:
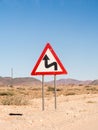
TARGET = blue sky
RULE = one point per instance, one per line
(70, 26)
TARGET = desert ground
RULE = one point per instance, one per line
(21, 108)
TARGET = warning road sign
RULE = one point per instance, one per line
(48, 63)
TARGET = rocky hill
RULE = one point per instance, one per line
(24, 81)
(30, 81)
(70, 82)
(95, 82)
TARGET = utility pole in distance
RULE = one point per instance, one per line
(11, 77)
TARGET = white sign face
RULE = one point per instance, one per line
(48, 63)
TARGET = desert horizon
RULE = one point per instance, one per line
(27, 81)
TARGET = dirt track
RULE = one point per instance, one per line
(77, 112)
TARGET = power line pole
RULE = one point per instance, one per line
(11, 77)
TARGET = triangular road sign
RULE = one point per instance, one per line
(48, 63)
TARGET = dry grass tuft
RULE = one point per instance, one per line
(91, 101)
(6, 93)
(22, 95)
(70, 93)
(14, 100)
(53, 89)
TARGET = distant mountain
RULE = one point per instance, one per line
(26, 81)
(70, 82)
(4, 81)
(30, 81)
(94, 82)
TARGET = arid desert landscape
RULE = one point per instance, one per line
(21, 106)
(48, 64)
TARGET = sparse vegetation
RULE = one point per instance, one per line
(50, 89)
(6, 93)
(35, 89)
(70, 93)
(91, 101)
(21, 88)
(80, 84)
(88, 86)
(14, 100)
(21, 95)
(53, 89)
(92, 89)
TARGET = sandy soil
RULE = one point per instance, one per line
(77, 112)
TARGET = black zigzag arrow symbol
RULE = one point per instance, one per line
(46, 58)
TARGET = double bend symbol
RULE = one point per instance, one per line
(46, 58)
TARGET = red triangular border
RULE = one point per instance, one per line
(48, 46)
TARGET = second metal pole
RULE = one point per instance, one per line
(55, 91)
(43, 92)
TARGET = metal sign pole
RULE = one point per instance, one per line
(43, 92)
(55, 91)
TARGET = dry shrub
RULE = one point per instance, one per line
(70, 93)
(53, 89)
(92, 89)
(6, 93)
(14, 100)
(35, 89)
(50, 89)
(91, 101)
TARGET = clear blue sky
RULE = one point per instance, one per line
(71, 26)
